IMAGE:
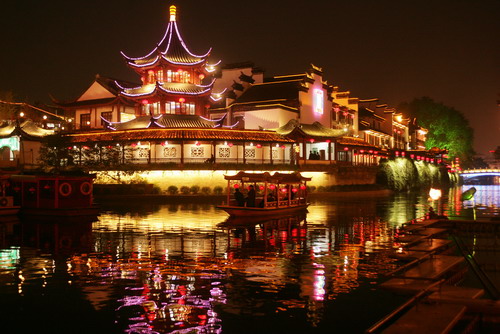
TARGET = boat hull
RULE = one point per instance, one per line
(243, 211)
(9, 211)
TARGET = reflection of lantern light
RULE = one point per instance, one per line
(46, 186)
(236, 186)
(435, 194)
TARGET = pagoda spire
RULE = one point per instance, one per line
(171, 49)
(173, 11)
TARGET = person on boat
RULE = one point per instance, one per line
(432, 214)
(238, 196)
(251, 196)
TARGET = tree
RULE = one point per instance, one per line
(7, 111)
(448, 128)
(496, 153)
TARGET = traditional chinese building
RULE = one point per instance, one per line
(174, 80)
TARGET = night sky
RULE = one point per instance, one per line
(448, 50)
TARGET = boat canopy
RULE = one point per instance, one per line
(281, 178)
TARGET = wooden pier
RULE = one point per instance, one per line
(429, 271)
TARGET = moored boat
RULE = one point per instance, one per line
(268, 195)
(54, 194)
(7, 205)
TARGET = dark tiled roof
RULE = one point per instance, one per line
(169, 88)
(352, 141)
(246, 78)
(165, 120)
(26, 129)
(87, 103)
(178, 134)
(287, 90)
(311, 130)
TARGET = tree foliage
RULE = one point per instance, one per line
(448, 128)
(7, 111)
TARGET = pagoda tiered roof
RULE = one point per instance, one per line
(171, 49)
(174, 88)
(164, 121)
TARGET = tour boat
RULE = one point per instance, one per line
(275, 194)
(68, 195)
(7, 206)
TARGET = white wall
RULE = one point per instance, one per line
(307, 113)
(267, 118)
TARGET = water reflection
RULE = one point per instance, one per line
(178, 268)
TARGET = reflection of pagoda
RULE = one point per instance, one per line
(174, 80)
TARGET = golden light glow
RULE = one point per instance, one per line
(435, 194)
(173, 11)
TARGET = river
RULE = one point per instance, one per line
(177, 267)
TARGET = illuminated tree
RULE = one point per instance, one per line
(448, 128)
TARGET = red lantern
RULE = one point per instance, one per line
(182, 100)
(145, 102)
(295, 190)
(230, 144)
(303, 187)
(346, 148)
(259, 145)
(284, 190)
(328, 140)
(236, 186)
(311, 140)
(261, 187)
(272, 187)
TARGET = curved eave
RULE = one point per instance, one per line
(178, 134)
(158, 89)
(93, 103)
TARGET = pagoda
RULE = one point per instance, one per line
(174, 79)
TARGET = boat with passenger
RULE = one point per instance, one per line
(266, 194)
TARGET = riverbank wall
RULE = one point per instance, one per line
(211, 181)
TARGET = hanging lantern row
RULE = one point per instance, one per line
(273, 187)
